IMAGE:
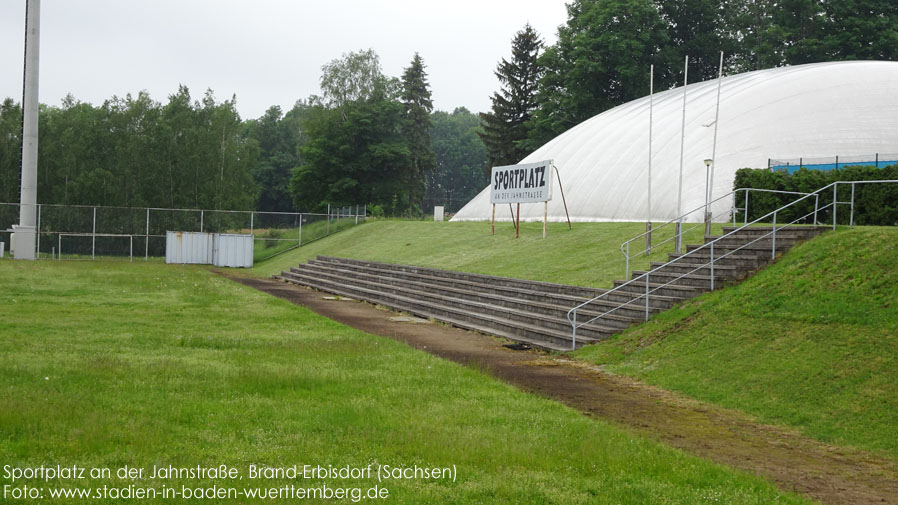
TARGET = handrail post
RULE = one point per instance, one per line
(851, 219)
(773, 252)
(627, 275)
(648, 238)
(646, 296)
(835, 202)
(574, 332)
(816, 206)
(678, 241)
(745, 210)
(733, 210)
(712, 266)
(93, 237)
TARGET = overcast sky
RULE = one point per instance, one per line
(267, 52)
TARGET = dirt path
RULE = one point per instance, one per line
(829, 474)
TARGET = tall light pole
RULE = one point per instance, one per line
(25, 232)
(648, 212)
(679, 224)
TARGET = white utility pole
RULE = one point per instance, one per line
(714, 147)
(25, 232)
(679, 225)
(648, 212)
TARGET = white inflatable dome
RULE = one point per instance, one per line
(841, 109)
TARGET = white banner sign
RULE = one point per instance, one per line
(525, 183)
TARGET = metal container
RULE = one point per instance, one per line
(188, 247)
(233, 250)
(219, 249)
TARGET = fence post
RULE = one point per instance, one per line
(59, 256)
(131, 249)
(146, 254)
(327, 230)
(93, 237)
(201, 220)
(356, 213)
(835, 202)
(252, 223)
(300, 229)
(851, 218)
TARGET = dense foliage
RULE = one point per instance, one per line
(505, 125)
(461, 160)
(135, 152)
(874, 204)
(602, 56)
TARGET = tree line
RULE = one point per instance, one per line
(374, 139)
(602, 56)
(367, 139)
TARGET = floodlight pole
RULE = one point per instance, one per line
(648, 212)
(714, 145)
(26, 230)
(679, 225)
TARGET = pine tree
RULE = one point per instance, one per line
(416, 128)
(504, 127)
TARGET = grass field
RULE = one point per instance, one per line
(109, 364)
(587, 255)
(811, 342)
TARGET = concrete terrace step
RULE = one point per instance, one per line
(681, 279)
(488, 323)
(534, 312)
(738, 259)
(522, 313)
(547, 306)
(721, 271)
(484, 284)
(544, 287)
(805, 231)
(676, 290)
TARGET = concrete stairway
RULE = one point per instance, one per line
(525, 311)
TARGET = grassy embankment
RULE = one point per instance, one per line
(587, 255)
(106, 364)
(811, 342)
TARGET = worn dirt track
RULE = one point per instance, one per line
(832, 475)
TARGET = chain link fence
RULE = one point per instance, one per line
(130, 233)
(833, 162)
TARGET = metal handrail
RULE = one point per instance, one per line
(572, 314)
(625, 246)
